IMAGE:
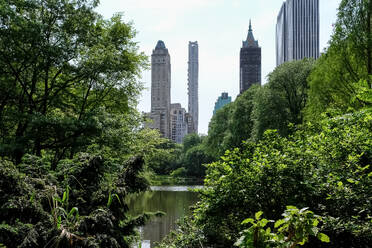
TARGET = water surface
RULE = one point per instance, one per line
(173, 200)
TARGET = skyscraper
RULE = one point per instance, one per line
(250, 62)
(222, 101)
(193, 74)
(297, 30)
(161, 89)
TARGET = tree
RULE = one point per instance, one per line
(340, 73)
(268, 112)
(60, 63)
(241, 122)
(289, 80)
(218, 131)
(282, 100)
(325, 167)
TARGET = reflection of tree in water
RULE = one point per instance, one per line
(174, 203)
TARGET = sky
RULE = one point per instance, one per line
(219, 26)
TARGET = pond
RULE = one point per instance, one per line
(173, 200)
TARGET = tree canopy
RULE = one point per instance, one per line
(61, 66)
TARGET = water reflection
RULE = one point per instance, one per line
(173, 200)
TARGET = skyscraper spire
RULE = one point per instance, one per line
(250, 41)
(250, 62)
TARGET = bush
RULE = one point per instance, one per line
(324, 166)
(79, 205)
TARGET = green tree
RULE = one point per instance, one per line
(289, 81)
(60, 63)
(268, 112)
(340, 73)
(241, 120)
(324, 167)
(282, 100)
(218, 130)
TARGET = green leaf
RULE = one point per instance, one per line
(264, 222)
(278, 223)
(73, 211)
(291, 207)
(324, 238)
(109, 201)
(258, 215)
(249, 220)
(64, 196)
(316, 222)
(350, 180)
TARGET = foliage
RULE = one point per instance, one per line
(187, 235)
(324, 166)
(218, 131)
(194, 156)
(180, 172)
(282, 99)
(275, 105)
(61, 66)
(294, 229)
(232, 124)
(340, 72)
(161, 154)
(81, 205)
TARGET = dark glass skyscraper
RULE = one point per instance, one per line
(297, 30)
(250, 62)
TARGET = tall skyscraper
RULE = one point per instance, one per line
(250, 62)
(297, 30)
(222, 101)
(193, 85)
(161, 89)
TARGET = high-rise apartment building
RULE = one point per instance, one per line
(178, 122)
(250, 62)
(161, 89)
(222, 101)
(193, 85)
(297, 30)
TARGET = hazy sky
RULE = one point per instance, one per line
(219, 26)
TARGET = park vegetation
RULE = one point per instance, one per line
(286, 164)
(71, 140)
(292, 158)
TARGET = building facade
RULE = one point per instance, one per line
(250, 62)
(178, 122)
(193, 84)
(222, 101)
(297, 31)
(161, 89)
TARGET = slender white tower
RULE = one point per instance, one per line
(193, 85)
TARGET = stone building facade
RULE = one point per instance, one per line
(161, 89)
(178, 122)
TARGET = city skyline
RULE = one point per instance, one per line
(218, 26)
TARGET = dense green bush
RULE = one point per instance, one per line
(79, 205)
(324, 166)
